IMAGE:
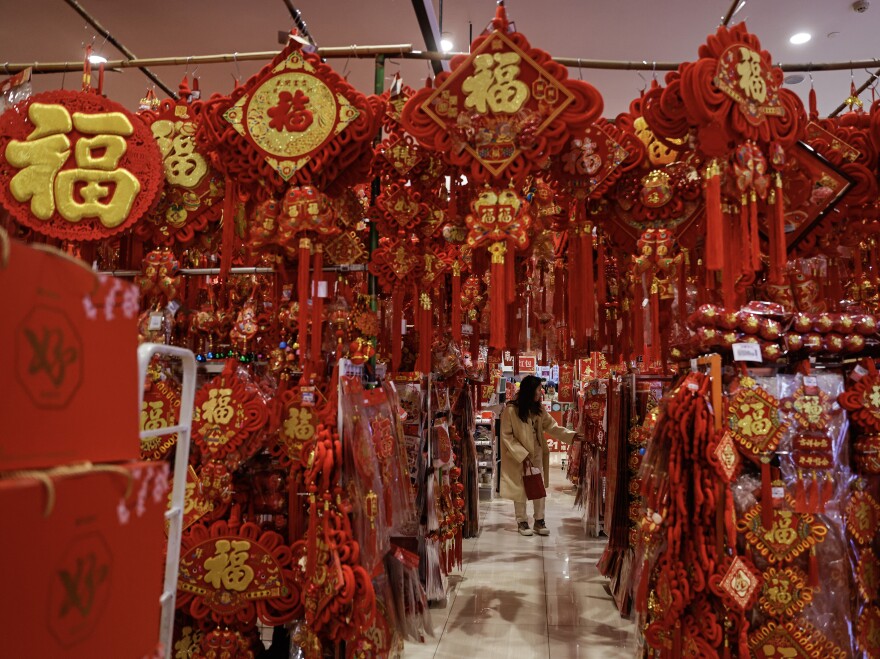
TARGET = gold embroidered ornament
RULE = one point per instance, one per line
(868, 575)
(792, 639)
(785, 592)
(862, 517)
(791, 534)
(77, 166)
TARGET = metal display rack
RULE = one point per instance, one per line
(174, 514)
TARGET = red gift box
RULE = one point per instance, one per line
(68, 362)
(82, 562)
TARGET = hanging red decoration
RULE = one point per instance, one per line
(194, 190)
(236, 575)
(77, 166)
(500, 220)
(503, 110)
(227, 414)
(295, 121)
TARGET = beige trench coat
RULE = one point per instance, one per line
(521, 440)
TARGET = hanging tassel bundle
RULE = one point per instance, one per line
(779, 251)
(228, 237)
(317, 305)
(302, 291)
(753, 230)
(497, 296)
(586, 249)
(714, 218)
(576, 291)
(424, 326)
(656, 350)
(396, 330)
(682, 287)
(455, 307)
(745, 248)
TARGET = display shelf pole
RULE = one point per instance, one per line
(174, 514)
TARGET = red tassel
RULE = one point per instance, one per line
(638, 318)
(766, 495)
(455, 311)
(396, 330)
(873, 257)
(857, 263)
(745, 249)
(426, 332)
(714, 219)
(601, 285)
(800, 494)
(781, 248)
(682, 289)
(586, 248)
(302, 291)
(731, 250)
(510, 273)
(575, 296)
(755, 240)
(814, 568)
(317, 305)
(814, 504)
(827, 490)
(497, 297)
(656, 350)
(228, 236)
(814, 111)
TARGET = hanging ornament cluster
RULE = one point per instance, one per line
(743, 123)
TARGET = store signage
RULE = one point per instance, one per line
(526, 363)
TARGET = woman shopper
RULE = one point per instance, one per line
(524, 423)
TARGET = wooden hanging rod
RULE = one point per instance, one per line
(403, 51)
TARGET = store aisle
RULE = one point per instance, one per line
(529, 597)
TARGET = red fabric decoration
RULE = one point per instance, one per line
(193, 188)
(266, 136)
(503, 110)
(77, 166)
(237, 574)
(227, 416)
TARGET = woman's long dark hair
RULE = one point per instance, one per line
(525, 400)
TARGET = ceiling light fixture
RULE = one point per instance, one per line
(97, 59)
(446, 45)
(800, 38)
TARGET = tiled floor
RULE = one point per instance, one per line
(529, 596)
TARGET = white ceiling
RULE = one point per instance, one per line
(650, 30)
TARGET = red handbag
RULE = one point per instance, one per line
(533, 481)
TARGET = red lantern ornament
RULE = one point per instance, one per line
(503, 110)
(77, 166)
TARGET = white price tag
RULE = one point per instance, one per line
(747, 352)
(778, 492)
(155, 321)
(322, 289)
(694, 365)
(811, 381)
(859, 372)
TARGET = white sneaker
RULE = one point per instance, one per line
(523, 528)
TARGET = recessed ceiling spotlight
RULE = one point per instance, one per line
(446, 45)
(794, 78)
(97, 59)
(800, 38)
